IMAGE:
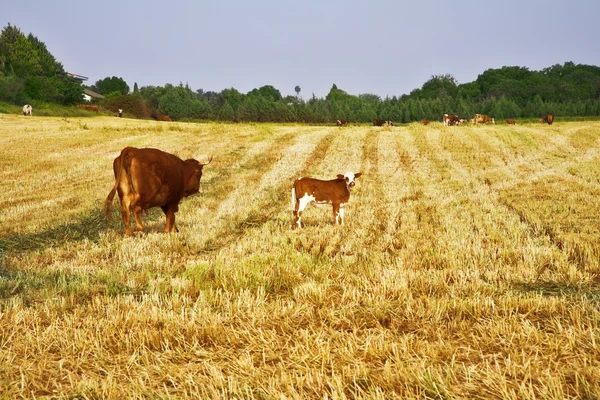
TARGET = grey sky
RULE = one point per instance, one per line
(385, 47)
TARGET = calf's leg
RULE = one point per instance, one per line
(338, 213)
(297, 216)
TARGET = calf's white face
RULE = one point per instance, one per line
(349, 178)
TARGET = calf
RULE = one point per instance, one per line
(425, 121)
(335, 192)
(28, 110)
(146, 178)
(450, 119)
(341, 122)
(510, 121)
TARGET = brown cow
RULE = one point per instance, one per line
(483, 119)
(451, 119)
(146, 178)
(163, 117)
(548, 118)
(335, 192)
(341, 122)
(89, 107)
(381, 122)
(425, 121)
(510, 121)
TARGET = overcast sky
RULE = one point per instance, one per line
(385, 47)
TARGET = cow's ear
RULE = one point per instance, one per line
(340, 176)
(357, 174)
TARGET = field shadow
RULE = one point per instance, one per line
(30, 284)
(88, 225)
(591, 291)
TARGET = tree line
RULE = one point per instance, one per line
(29, 74)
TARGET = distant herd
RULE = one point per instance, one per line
(453, 120)
(447, 119)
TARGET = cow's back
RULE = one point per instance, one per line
(322, 191)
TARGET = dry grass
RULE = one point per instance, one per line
(468, 267)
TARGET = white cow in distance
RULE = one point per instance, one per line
(27, 110)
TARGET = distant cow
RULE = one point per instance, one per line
(548, 118)
(120, 112)
(425, 121)
(483, 119)
(381, 122)
(89, 107)
(450, 119)
(28, 110)
(510, 121)
(146, 178)
(335, 192)
(163, 117)
(341, 122)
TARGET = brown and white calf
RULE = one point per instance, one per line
(451, 119)
(335, 192)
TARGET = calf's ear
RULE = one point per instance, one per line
(340, 176)
(357, 174)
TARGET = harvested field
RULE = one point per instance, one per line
(469, 265)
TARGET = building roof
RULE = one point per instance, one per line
(80, 77)
(93, 94)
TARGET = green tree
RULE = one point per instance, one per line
(233, 97)
(246, 111)
(110, 85)
(176, 102)
(535, 107)
(505, 108)
(44, 78)
(226, 113)
(267, 92)
(439, 86)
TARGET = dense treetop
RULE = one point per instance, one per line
(29, 73)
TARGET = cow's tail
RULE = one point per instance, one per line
(118, 167)
(109, 199)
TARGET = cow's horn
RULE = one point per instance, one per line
(206, 163)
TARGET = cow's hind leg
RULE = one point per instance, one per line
(126, 214)
(137, 214)
(170, 216)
